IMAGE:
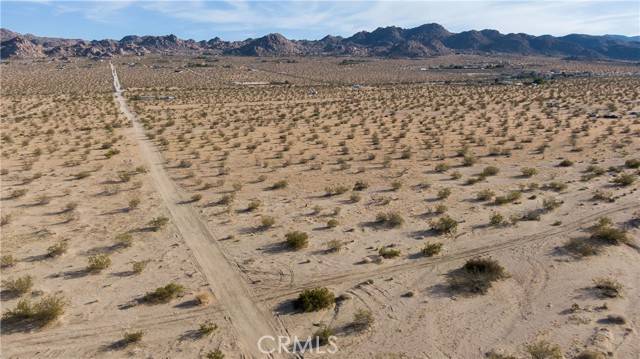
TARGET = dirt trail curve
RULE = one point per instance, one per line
(250, 320)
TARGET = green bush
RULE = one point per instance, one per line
(312, 300)
(129, 338)
(164, 294)
(445, 225)
(389, 219)
(322, 335)
(477, 275)
(297, 240)
(158, 223)
(544, 350)
(18, 286)
(362, 319)
(98, 263)
(386, 252)
(58, 249)
(431, 249)
(41, 313)
(632, 163)
(624, 179)
(490, 171)
(529, 172)
(267, 222)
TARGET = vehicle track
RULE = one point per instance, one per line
(248, 317)
(355, 276)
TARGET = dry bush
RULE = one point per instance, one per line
(476, 275)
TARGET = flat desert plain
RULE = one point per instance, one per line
(177, 207)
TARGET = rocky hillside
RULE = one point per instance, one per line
(422, 41)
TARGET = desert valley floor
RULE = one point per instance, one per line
(439, 208)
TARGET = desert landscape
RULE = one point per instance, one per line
(186, 206)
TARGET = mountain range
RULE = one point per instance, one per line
(423, 41)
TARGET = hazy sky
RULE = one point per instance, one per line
(235, 20)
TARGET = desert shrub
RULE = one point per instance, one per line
(624, 179)
(497, 219)
(469, 160)
(591, 354)
(124, 240)
(195, 197)
(133, 204)
(139, 266)
(253, 205)
(396, 185)
(7, 261)
(297, 240)
(207, 328)
(184, 164)
(203, 298)
(440, 209)
(332, 223)
(58, 249)
(490, 171)
(550, 204)
(508, 198)
(387, 252)
(556, 186)
(477, 275)
(322, 335)
(315, 299)
(529, 172)
(431, 249)
(444, 193)
(542, 349)
(565, 163)
(600, 195)
(267, 222)
(279, 184)
(632, 163)
(18, 286)
(485, 195)
(335, 190)
(48, 309)
(581, 248)
(214, 354)
(442, 167)
(608, 287)
(98, 263)
(163, 294)
(334, 245)
(389, 219)
(354, 198)
(445, 225)
(129, 338)
(610, 235)
(362, 319)
(360, 185)
(158, 223)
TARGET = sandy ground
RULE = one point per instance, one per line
(231, 137)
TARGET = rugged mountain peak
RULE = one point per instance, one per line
(421, 41)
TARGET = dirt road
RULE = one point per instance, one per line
(248, 317)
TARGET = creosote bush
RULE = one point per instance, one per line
(134, 337)
(18, 286)
(158, 223)
(544, 350)
(362, 319)
(476, 275)
(46, 310)
(164, 294)
(98, 263)
(297, 240)
(431, 249)
(315, 299)
(387, 252)
(445, 225)
(389, 219)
